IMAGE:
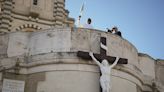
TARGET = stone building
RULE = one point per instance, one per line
(38, 53)
(33, 15)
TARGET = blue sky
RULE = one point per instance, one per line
(140, 21)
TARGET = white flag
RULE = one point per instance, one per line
(80, 15)
(81, 9)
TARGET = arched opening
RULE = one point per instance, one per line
(29, 30)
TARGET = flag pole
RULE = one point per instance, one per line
(80, 15)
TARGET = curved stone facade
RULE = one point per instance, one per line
(39, 45)
(50, 58)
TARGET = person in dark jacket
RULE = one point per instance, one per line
(115, 31)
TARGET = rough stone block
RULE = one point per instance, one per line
(147, 65)
(70, 81)
(160, 71)
(18, 44)
(50, 41)
(95, 42)
(122, 85)
(3, 45)
(80, 40)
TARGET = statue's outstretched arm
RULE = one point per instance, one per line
(115, 62)
(94, 59)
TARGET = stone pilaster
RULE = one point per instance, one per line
(59, 12)
(6, 16)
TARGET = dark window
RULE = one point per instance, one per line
(35, 2)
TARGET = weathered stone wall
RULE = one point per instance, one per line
(53, 52)
(54, 41)
(65, 40)
(159, 70)
(72, 78)
(18, 44)
(147, 65)
(43, 8)
(3, 45)
(46, 57)
(31, 80)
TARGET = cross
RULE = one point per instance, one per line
(102, 55)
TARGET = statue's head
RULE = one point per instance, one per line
(105, 62)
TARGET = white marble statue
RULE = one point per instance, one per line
(105, 69)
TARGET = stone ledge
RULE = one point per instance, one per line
(145, 55)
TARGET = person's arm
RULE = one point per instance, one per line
(115, 62)
(94, 59)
